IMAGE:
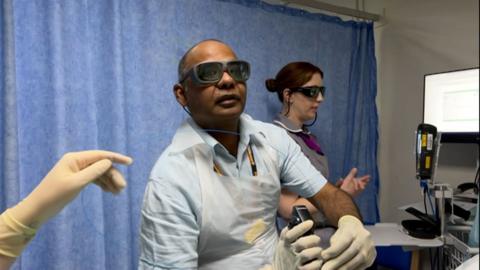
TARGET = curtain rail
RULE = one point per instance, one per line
(336, 9)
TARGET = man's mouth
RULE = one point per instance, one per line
(227, 99)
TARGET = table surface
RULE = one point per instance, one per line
(392, 234)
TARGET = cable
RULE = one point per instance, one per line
(440, 264)
(430, 257)
(430, 201)
(424, 185)
(477, 175)
(434, 266)
(431, 205)
(426, 193)
(476, 180)
(425, 202)
(314, 120)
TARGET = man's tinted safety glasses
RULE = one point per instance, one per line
(212, 72)
(311, 91)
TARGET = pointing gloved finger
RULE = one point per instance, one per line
(298, 230)
(117, 180)
(107, 179)
(306, 242)
(102, 185)
(105, 184)
(111, 181)
(93, 171)
(85, 158)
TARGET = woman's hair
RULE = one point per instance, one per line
(292, 75)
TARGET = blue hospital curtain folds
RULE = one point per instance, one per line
(77, 75)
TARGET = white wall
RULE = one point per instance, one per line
(417, 38)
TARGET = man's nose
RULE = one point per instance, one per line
(226, 82)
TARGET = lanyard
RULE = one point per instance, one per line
(251, 158)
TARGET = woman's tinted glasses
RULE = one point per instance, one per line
(212, 72)
(310, 91)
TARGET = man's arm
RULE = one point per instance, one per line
(334, 203)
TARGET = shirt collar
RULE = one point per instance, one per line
(189, 135)
(287, 124)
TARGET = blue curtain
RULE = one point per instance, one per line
(78, 75)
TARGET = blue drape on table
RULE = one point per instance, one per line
(78, 75)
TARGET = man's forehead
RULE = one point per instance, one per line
(209, 50)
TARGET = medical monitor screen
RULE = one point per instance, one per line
(451, 104)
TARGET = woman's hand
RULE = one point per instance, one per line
(353, 185)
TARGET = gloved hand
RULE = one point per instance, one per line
(293, 251)
(353, 185)
(66, 179)
(351, 246)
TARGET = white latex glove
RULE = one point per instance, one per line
(351, 246)
(353, 185)
(65, 180)
(293, 251)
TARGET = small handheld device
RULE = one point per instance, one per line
(425, 150)
(300, 214)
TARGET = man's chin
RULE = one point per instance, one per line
(230, 112)
(226, 116)
(230, 116)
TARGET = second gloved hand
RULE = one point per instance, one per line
(296, 252)
(351, 246)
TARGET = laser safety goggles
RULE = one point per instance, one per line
(212, 72)
(310, 91)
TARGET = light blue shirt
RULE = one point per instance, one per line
(172, 205)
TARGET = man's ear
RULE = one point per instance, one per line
(179, 92)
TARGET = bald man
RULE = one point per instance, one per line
(212, 196)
